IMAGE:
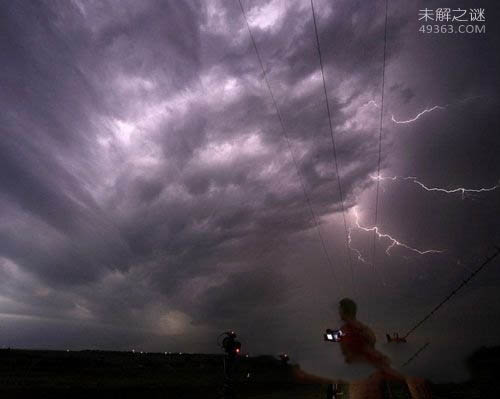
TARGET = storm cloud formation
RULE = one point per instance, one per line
(148, 199)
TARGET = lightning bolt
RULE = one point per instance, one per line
(360, 256)
(355, 250)
(434, 108)
(425, 111)
(393, 242)
(464, 191)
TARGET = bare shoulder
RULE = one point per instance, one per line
(367, 332)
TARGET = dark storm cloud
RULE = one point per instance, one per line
(148, 194)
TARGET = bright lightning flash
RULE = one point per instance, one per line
(425, 111)
(355, 250)
(434, 108)
(462, 190)
(393, 241)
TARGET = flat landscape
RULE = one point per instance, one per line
(26, 373)
(101, 374)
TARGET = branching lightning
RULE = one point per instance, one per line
(355, 250)
(434, 108)
(464, 191)
(425, 111)
(393, 242)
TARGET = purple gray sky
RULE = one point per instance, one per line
(149, 201)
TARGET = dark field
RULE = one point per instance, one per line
(83, 374)
(99, 374)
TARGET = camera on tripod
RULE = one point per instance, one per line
(230, 345)
(333, 335)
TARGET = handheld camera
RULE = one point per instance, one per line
(333, 335)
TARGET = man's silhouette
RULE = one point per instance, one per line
(358, 342)
(358, 346)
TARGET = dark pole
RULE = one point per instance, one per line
(228, 387)
(329, 392)
(332, 390)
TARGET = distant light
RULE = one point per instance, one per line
(133, 350)
(67, 350)
(237, 350)
(329, 336)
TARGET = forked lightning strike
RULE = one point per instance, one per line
(355, 250)
(464, 191)
(425, 111)
(393, 241)
(434, 108)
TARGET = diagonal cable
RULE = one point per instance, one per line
(290, 149)
(380, 135)
(333, 146)
(462, 284)
(418, 352)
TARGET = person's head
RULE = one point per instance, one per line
(347, 309)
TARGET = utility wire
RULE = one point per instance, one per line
(380, 136)
(415, 354)
(462, 284)
(333, 145)
(287, 139)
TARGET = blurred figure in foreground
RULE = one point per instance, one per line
(358, 346)
(358, 341)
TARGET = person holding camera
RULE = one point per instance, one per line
(357, 343)
(358, 340)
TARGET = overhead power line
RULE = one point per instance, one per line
(380, 135)
(334, 149)
(462, 284)
(289, 145)
(415, 354)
